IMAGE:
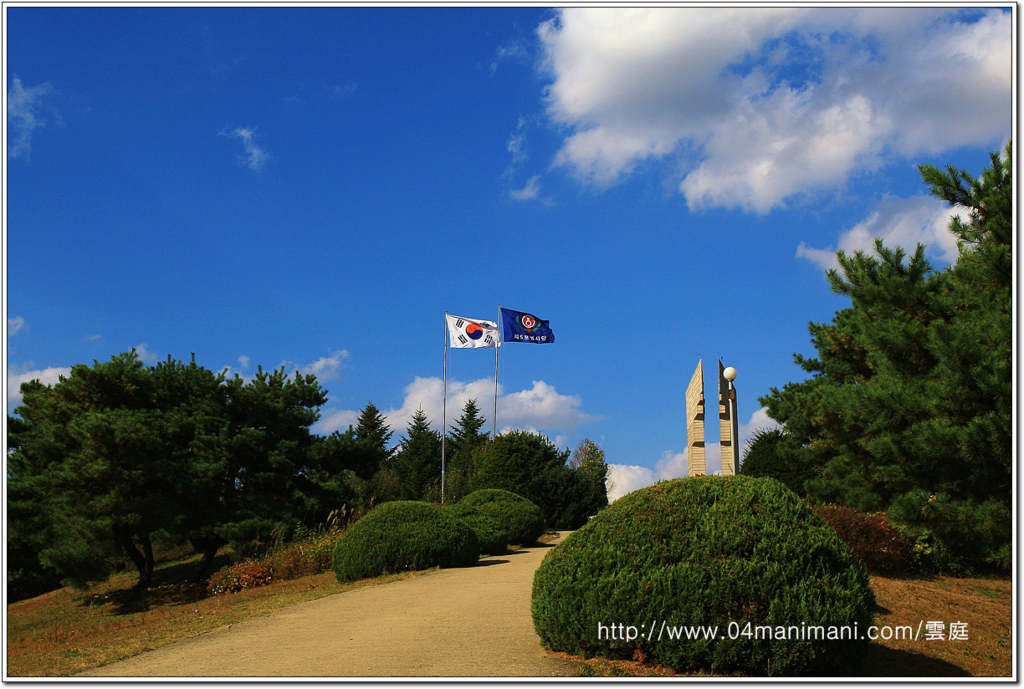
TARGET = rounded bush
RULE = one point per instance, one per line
(522, 519)
(401, 536)
(738, 555)
(493, 538)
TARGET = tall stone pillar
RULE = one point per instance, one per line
(695, 423)
(726, 423)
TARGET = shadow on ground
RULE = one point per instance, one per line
(171, 585)
(889, 662)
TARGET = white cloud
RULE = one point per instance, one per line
(255, 158)
(338, 420)
(326, 367)
(16, 376)
(628, 478)
(343, 90)
(517, 144)
(515, 49)
(145, 355)
(14, 325)
(759, 421)
(899, 222)
(530, 191)
(756, 106)
(23, 116)
(540, 408)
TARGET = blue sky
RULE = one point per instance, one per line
(315, 187)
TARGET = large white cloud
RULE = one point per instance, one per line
(753, 106)
(540, 407)
(898, 222)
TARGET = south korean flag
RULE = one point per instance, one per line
(467, 333)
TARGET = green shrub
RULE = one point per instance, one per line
(961, 537)
(522, 519)
(404, 535)
(710, 552)
(875, 542)
(493, 538)
(512, 460)
(568, 497)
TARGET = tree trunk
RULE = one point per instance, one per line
(209, 545)
(146, 578)
(143, 562)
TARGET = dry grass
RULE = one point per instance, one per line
(983, 603)
(65, 632)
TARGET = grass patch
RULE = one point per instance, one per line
(65, 632)
(983, 603)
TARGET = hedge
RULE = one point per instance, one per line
(521, 519)
(743, 556)
(404, 535)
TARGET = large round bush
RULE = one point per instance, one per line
(522, 519)
(741, 555)
(404, 535)
(493, 538)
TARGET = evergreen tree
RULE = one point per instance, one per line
(464, 444)
(418, 459)
(465, 437)
(910, 405)
(773, 453)
(117, 451)
(372, 435)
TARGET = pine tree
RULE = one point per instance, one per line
(910, 405)
(418, 459)
(465, 436)
(372, 435)
(463, 446)
(116, 451)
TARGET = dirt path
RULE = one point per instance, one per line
(467, 622)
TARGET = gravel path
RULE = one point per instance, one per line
(466, 622)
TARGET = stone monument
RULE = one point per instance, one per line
(727, 419)
(695, 423)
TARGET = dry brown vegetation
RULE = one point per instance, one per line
(65, 632)
(983, 603)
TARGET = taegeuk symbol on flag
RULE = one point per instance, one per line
(469, 332)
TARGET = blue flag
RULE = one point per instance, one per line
(523, 327)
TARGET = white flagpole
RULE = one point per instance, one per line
(444, 403)
(494, 419)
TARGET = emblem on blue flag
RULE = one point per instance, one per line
(518, 326)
